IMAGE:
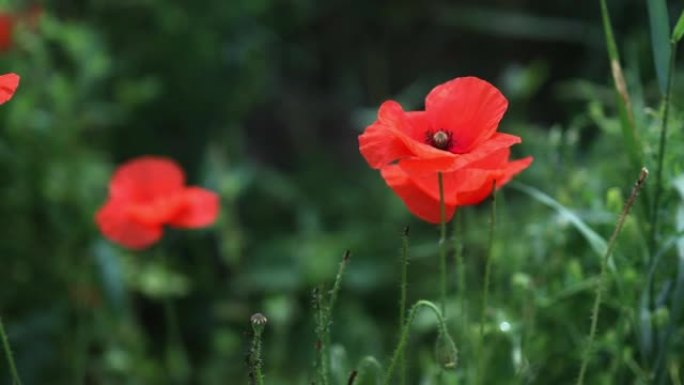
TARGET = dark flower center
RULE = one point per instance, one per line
(440, 139)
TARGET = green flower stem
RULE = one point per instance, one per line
(367, 364)
(10, 356)
(256, 376)
(604, 267)
(442, 245)
(485, 290)
(323, 318)
(176, 356)
(402, 299)
(460, 268)
(403, 338)
(321, 363)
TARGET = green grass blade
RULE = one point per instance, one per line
(660, 39)
(677, 299)
(678, 31)
(632, 142)
(597, 243)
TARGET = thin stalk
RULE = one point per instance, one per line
(460, 268)
(10, 356)
(365, 366)
(662, 146)
(405, 332)
(82, 338)
(442, 245)
(485, 288)
(324, 320)
(319, 310)
(603, 275)
(256, 377)
(402, 299)
(176, 357)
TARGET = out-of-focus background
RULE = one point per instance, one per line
(262, 101)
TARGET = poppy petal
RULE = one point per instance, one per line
(469, 107)
(8, 85)
(117, 226)
(471, 185)
(145, 178)
(477, 193)
(416, 200)
(200, 209)
(393, 136)
(417, 167)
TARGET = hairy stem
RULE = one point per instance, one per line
(403, 338)
(323, 318)
(367, 364)
(442, 245)
(256, 376)
(604, 267)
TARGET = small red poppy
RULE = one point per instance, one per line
(6, 31)
(147, 193)
(8, 85)
(455, 135)
(10, 20)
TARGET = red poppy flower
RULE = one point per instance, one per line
(8, 85)
(147, 193)
(6, 31)
(10, 20)
(455, 135)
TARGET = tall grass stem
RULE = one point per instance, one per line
(603, 274)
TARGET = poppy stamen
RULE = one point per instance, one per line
(440, 139)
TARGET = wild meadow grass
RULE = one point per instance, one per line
(568, 270)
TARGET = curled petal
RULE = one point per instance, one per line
(119, 227)
(469, 107)
(146, 178)
(394, 136)
(471, 185)
(8, 85)
(421, 204)
(418, 167)
(200, 208)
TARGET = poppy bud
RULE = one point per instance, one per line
(258, 320)
(446, 352)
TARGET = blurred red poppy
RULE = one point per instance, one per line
(147, 193)
(455, 135)
(10, 20)
(8, 85)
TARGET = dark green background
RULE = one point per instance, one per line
(262, 101)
